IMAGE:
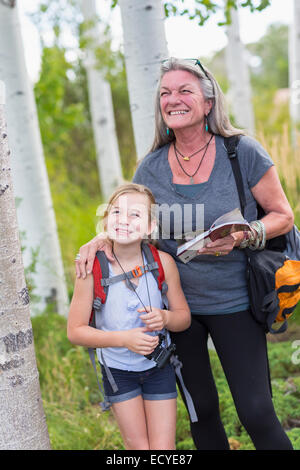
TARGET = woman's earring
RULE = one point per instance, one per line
(168, 131)
(206, 125)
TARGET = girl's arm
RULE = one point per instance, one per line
(178, 316)
(79, 332)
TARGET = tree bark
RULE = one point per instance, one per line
(145, 46)
(101, 106)
(238, 75)
(36, 216)
(23, 423)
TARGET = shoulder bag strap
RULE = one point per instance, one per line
(231, 147)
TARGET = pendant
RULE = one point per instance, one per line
(191, 180)
(186, 158)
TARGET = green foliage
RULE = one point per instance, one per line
(56, 16)
(203, 9)
(65, 121)
(272, 49)
(270, 76)
(76, 422)
(69, 150)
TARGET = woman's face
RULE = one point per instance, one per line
(181, 100)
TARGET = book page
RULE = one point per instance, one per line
(233, 216)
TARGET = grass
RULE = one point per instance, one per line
(76, 422)
(287, 161)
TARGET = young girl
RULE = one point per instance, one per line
(145, 403)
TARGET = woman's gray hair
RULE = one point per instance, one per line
(217, 120)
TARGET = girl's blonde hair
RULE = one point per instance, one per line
(132, 188)
(218, 120)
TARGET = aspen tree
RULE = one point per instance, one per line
(35, 211)
(23, 424)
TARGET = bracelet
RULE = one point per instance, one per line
(259, 241)
(255, 242)
(255, 239)
(264, 237)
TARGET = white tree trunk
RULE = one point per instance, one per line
(294, 66)
(145, 46)
(101, 106)
(35, 212)
(23, 424)
(238, 75)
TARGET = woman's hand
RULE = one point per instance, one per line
(222, 246)
(138, 341)
(87, 252)
(155, 320)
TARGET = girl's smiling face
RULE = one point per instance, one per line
(181, 100)
(129, 218)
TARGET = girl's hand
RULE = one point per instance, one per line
(155, 320)
(222, 246)
(138, 341)
(87, 252)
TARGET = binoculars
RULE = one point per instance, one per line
(161, 355)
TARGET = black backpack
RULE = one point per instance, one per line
(273, 274)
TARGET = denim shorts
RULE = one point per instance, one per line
(152, 384)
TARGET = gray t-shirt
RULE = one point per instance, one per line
(211, 284)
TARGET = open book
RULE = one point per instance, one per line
(230, 222)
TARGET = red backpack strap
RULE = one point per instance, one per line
(98, 274)
(100, 271)
(161, 274)
(152, 255)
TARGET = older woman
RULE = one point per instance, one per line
(188, 165)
